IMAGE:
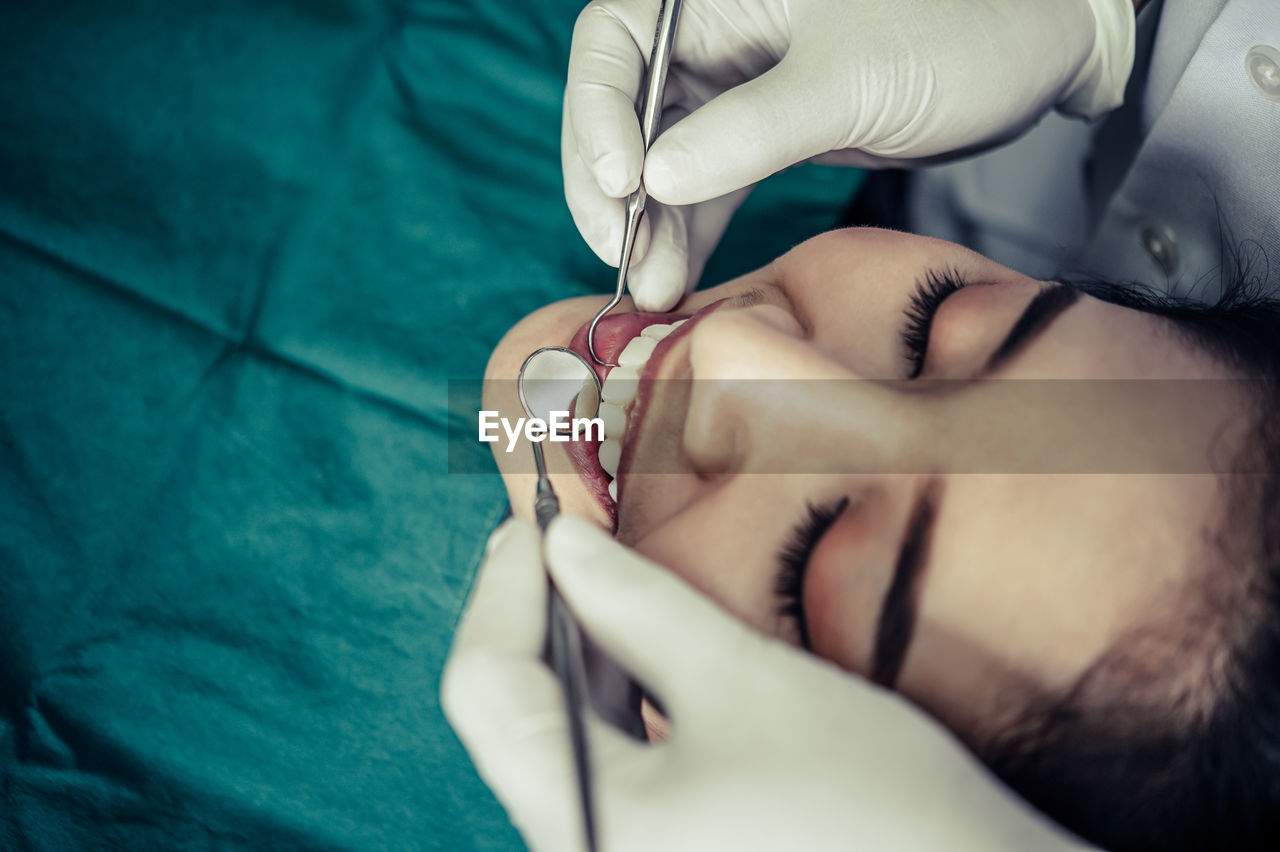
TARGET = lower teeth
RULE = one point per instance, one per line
(610, 455)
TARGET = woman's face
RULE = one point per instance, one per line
(913, 517)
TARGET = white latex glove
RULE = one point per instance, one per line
(764, 84)
(770, 747)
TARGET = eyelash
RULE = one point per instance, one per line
(929, 295)
(793, 559)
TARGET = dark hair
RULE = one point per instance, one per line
(1171, 739)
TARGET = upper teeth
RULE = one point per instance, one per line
(615, 419)
(637, 351)
(619, 392)
(620, 386)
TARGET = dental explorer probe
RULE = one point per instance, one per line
(650, 117)
(564, 642)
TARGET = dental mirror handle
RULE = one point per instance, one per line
(564, 653)
(545, 504)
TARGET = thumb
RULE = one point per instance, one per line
(744, 135)
(652, 623)
(659, 280)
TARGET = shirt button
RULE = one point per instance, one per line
(1161, 247)
(1263, 64)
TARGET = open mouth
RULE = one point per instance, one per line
(637, 343)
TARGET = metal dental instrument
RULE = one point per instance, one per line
(650, 117)
(554, 379)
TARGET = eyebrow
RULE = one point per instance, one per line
(897, 620)
(1039, 314)
(748, 298)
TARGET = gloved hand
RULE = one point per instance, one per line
(761, 85)
(770, 749)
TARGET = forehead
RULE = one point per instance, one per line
(874, 250)
(882, 261)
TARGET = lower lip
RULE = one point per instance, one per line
(612, 335)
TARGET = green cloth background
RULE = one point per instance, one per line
(244, 246)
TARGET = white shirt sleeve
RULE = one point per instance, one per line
(1190, 166)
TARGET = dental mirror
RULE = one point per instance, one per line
(553, 380)
(558, 379)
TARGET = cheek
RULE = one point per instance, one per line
(722, 567)
(725, 544)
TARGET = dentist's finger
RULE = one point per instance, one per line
(510, 716)
(506, 705)
(669, 636)
(505, 615)
(744, 135)
(600, 218)
(499, 639)
(494, 674)
(660, 279)
(606, 67)
(684, 238)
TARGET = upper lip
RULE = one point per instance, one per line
(653, 369)
(613, 333)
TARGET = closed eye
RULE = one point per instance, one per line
(793, 562)
(930, 293)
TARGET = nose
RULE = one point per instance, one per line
(766, 400)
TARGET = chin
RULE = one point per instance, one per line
(553, 325)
